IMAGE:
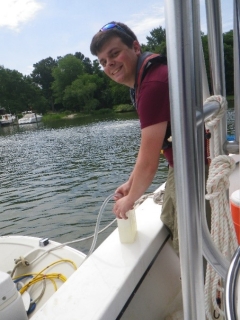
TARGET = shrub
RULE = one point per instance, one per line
(124, 108)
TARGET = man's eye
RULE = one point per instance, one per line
(114, 54)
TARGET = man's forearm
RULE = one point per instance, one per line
(141, 179)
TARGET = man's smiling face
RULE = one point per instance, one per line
(119, 61)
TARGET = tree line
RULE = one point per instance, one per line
(75, 83)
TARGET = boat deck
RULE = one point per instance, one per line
(101, 287)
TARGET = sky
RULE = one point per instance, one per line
(33, 30)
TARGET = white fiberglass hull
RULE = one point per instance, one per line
(8, 119)
(28, 120)
(105, 282)
(14, 247)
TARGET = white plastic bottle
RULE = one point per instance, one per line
(127, 229)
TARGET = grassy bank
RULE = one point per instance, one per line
(71, 114)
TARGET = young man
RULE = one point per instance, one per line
(119, 53)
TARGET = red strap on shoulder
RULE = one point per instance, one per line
(140, 73)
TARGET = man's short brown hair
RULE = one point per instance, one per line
(101, 37)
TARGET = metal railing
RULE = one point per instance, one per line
(230, 287)
(186, 74)
(185, 78)
(216, 57)
(236, 17)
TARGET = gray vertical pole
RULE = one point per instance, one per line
(237, 68)
(210, 251)
(216, 55)
(183, 33)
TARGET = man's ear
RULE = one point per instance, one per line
(136, 47)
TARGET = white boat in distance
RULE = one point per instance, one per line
(8, 119)
(30, 117)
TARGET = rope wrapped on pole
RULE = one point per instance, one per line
(214, 120)
(222, 228)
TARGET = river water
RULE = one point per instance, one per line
(55, 177)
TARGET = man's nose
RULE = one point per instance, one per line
(110, 62)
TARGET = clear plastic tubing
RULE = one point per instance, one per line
(98, 223)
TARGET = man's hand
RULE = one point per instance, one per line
(122, 191)
(122, 206)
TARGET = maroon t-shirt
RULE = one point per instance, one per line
(153, 104)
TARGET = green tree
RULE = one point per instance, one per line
(119, 94)
(206, 58)
(156, 42)
(42, 76)
(34, 98)
(87, 65)
(81, 93)
(229, 61)
(79, 55)
(97, 68)
(88, 68)
(68, 69)
(18, 93)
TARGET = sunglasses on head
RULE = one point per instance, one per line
(112, 25)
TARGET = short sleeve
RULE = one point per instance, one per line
(153, 99)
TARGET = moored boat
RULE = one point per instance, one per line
(30, 117)
(8, 119)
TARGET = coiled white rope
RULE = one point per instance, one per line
(222, 228)
(214, 121)
(156, 196)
